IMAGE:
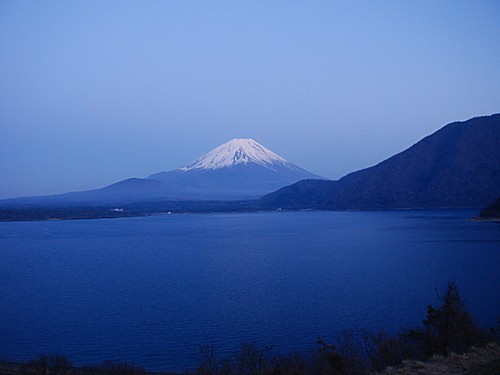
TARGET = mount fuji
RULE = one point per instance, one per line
(237, 170)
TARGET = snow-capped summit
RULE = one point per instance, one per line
(238, 169)
(237, 151)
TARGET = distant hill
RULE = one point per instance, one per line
(457, 166)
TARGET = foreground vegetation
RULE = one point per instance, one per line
(447, 332)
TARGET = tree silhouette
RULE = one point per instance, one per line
(450, 327)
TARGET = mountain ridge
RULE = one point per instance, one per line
(456, 166)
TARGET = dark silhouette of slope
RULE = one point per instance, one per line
(457, 166)
(303, 194)
(122, 192)
(492, 211)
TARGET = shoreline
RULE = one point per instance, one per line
(10, 215)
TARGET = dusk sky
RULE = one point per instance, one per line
(93, 92)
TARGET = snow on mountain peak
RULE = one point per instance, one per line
(237, 151)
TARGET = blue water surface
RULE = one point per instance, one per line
(153, 290)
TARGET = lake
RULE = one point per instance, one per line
(152, 290)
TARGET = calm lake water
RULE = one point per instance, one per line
(153, 290)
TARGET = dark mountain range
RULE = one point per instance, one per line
(457, 166)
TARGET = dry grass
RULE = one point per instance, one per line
(476, 361)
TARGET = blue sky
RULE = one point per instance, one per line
(93, 92)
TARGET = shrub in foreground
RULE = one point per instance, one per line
(449, 327)
(53, 364)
